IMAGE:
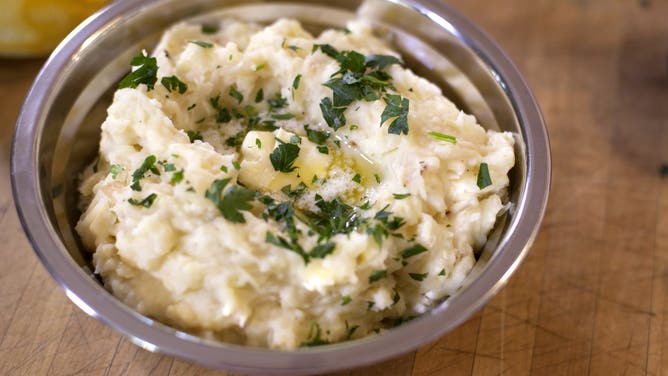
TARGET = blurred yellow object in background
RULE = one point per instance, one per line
(35, 27)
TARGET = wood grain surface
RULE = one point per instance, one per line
(592, 296)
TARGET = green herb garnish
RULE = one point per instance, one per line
(201, 44)
(283, 157)
(172, 83)
(147, 165)
(376, 275)
(231, 203)
(346, 300)
(146, 73)
(194, 135)
(314, 337)
(395, 114)
(357, 178)
(259, 96)
(177, 177)
(115, 170)
(418, 277)
(210, 28)
(295, 83)
(146, 202)
(413, 251)
(484, 180)
(236, 95)
(401, 196)
(443, 137)
(317, 137)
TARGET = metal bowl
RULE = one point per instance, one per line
(58, 132)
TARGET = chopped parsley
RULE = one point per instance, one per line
(345, 300)
(413, 251)
(333, 116)
(362, 78)
(396, 297)
(258, 143)
(401, 196)
(115, 170)
(172, 83)
(147, 165)
(201, 44)
(314, 337)
(395, 114)
(169, 167)
(418, 277)
(177, 177)
(146, 202)
(223, 168)
(317, 137)
(210, 28)
(323, 149)
(235, 140)
(443, 137)
(277, 102)
(283, 157)
(191, 106)
(145, 73)
(377, 275)
(234, 93)
(282, 116)
(377, 177)
(236, 165)
(259, 96)
(484, 180)
(230, 203)
(295, 83)
(194, 135)
(442, 272)
(322, 250)
(357, 178)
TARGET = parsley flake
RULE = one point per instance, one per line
(377, 275)
(283, 157)
(295, 83)
(194, 136)
(236, 95)
(314, 337)
(443, 137)
(147, 165)
(210, 28)
(357, 178)
(484, 180)
(115, 170)
(146, 202)
(177, 177)
(345, 300)
(401, 196)
(231, 203)
(395, 114)
(201, 44)
(146, 72)
(418, 277)
(259, 96)
(413, 251)
(172, 83)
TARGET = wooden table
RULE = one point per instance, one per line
(592, 296)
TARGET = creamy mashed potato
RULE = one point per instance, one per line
(264, 187)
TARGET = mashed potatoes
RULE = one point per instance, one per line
(264, 187)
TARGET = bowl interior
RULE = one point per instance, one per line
(81, 76)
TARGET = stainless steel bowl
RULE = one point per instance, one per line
(58, 133)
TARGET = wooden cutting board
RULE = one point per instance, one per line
(592, 296)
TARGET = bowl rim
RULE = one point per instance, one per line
(153, 336)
